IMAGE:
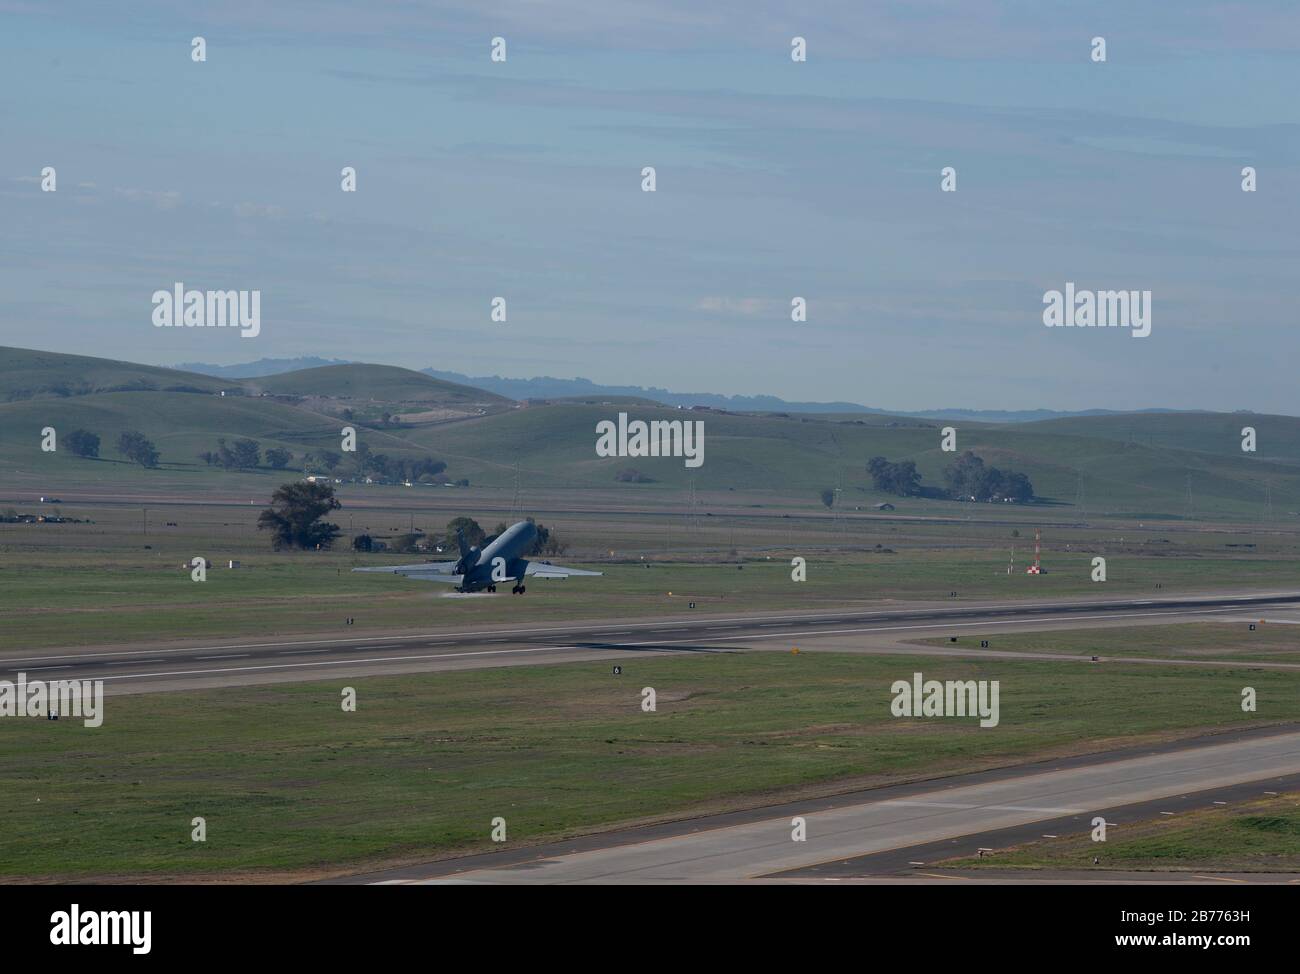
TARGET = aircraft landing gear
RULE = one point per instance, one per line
(518, 590)
(492, 588)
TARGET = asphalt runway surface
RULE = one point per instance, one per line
(182, 666)
(844, 833)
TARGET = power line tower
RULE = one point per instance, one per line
(837, 522)
(517, 504)
(1268, 501)
(692, 512)
(1187, 506)
(1079, 499)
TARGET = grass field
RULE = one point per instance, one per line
(125, 577)
(1254, 836)
(289, 783)
(1279, 643)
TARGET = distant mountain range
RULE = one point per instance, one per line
(260, 368)
(548, 387)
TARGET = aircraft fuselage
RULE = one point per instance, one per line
(499, 562)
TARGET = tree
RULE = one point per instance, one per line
(243, 454)
(363, 542)
(278, 457)
(547, 541)
(83, 443)
(136, 447)
(969, 478)
(1018, 488)
(294, 517)
(894, 478)
(828, 496)
(247, 454)
(963, 476)
(474, 535)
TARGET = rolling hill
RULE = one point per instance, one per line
(27, 374)
(384, 384)
(1139, 464)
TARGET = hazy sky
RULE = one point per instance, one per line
(775, 179)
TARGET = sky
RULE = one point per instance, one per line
(775, 179)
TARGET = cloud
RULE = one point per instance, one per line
(735, 306)
(165, 199)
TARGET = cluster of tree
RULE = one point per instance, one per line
(133, 445)
(966, 478)
(294, 517)
(245, 454)
(894, 478)
(365, 463)
(83, 443)
(546, 543)
(403, 468)
(969, 478)
(630, 475)
(326, 460)
(827, 495)
(136, 447)
(474, 534)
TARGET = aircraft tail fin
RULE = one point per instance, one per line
(464, 545)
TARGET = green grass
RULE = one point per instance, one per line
(1255, 836)
(60, 597)
(289, 783)
(1279, 643)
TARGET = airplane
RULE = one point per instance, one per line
(498, 562)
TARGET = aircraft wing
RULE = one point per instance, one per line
(543, 569)
(428, 571)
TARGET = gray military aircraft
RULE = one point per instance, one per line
(476, 570)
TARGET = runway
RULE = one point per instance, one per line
(182, 666)
(758, 845)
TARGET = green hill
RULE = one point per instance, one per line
(27, 374)
(1277, 437)
(555, 445)
(1137, 465)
